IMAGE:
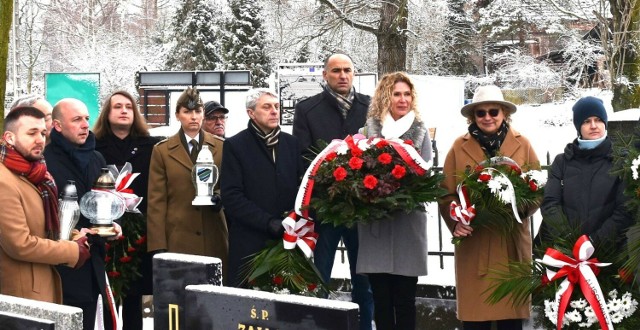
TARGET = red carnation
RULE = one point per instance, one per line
(312, 286)
(516, 169)
(384, 158)
(107, 259)
(381, 144)
(370, 181)
(545, 280)
(479, 168)
(131, 249)
(121, 238)
(277, 280)
(107, 246)
(125, 259)
(484, 177)
(398, 172)
(533, 186)
(355, 163)
(141, 240)
(331, 156)
(408, 141)
(356, 152)
(113, 274)
(340, 173)
(625, 276)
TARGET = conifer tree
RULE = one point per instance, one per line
(196, 37)
(244, 45)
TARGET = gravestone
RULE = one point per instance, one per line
(64, 317)
(172, 272)
(216, 307)
(11, 321)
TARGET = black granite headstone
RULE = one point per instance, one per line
(213, 307)
(172, 272)
(11, 321)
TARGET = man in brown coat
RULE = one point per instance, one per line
(29, 217)
(173, 224)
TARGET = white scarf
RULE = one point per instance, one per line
(395, 128)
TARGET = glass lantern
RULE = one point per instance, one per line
(102, 205)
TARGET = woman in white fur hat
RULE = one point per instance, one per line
(489, 134)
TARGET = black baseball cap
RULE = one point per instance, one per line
(212, 106)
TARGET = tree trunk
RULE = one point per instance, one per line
(625, 62)
(391, 36)
(6, 17)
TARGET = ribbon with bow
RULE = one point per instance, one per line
(462, 212)
(581, 270)
(124, 178)
(299, 232)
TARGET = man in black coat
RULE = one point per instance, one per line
(333, 114)
(261, 170)
(71, 155)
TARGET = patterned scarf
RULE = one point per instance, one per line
(344, 103)
(490, 144)
(269, 139)
(36, 172)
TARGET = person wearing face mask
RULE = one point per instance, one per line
(382, 255)
(489, 134)
(581, 187)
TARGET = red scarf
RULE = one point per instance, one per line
(36, 172)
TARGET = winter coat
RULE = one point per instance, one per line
(83, 285)
(318, 118)
(398, 245)
(136, 151)
(27, 259)
(173, 224)
(476, 255)
(580, 183)
(255, 190)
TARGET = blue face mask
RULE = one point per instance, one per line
(590, 144)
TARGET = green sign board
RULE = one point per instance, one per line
(82, 86)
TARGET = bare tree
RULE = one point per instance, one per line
(6, 17)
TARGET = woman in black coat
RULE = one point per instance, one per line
(580, 185)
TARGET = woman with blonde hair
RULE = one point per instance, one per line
(393, 252)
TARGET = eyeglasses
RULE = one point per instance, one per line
(492, 113)
(214, 118)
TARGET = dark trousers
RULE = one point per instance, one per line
(394, 299)
(511, 324)
(324, 256)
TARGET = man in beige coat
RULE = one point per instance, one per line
(173, 224)
(29, 217)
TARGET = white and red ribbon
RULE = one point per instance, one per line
(299, 232)
(124, 178)
(580, 270)
(463, 212)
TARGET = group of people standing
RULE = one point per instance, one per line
(260, 171)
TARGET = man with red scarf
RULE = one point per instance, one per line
(29, 246)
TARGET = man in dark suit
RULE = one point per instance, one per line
(261, 170)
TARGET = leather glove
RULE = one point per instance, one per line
(217, 203)
(275, 228)
(83, 249)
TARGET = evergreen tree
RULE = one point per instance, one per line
(244, 46)
(196, 37)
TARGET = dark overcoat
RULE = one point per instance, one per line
(254, 190)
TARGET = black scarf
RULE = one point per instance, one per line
(490, 144)
(81, 155)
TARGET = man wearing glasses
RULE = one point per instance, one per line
(215, 117)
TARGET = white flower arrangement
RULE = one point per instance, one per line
(539, 177)
(501, 187)
(583, 315)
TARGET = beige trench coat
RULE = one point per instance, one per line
(172, 222)
(26, 257)
(486, 250)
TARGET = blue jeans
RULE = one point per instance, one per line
(324, 256)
